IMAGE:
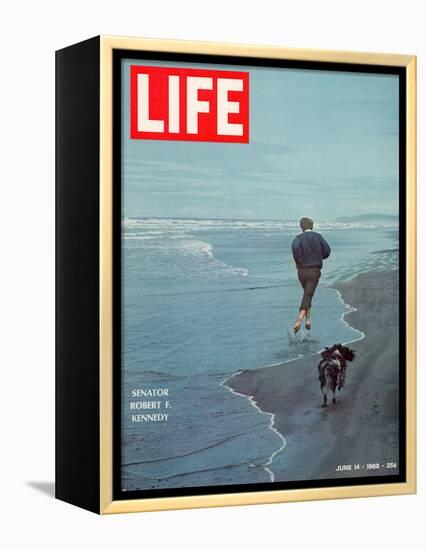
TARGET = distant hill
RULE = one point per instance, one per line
(369, 218)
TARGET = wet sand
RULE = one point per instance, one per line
(362, 427)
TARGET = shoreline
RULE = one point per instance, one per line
(351, 309)
(362, 427)
(270, 459)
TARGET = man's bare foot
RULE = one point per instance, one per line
(308, 319)
(299, 320)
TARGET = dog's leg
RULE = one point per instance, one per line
(324, 404)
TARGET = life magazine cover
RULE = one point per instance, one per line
(260, 275)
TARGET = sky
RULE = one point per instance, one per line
(323, 144)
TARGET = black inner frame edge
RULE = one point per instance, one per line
(118, 56)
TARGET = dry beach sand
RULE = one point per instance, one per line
(362, 427)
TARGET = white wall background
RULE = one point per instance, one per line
(29, 33)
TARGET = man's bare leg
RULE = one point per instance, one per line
(308, 319)
(299, 320)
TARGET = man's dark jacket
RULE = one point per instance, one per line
(310, 249)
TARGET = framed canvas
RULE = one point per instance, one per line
(235, 274)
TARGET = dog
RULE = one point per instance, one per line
(332, 370)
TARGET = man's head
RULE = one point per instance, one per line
(306, 223)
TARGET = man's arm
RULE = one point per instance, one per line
(326, 250)
(297, 251)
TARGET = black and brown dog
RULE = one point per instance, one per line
(332, 369)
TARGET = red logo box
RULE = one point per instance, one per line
(189, 104)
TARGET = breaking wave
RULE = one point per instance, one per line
(165, 225)
(176, 253)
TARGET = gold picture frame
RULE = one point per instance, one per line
(107, 46)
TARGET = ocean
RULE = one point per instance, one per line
(203, 300)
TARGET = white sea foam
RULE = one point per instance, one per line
(179, 253)
(168, 224)
(197, 248)
(349, 309)
(270, 459)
